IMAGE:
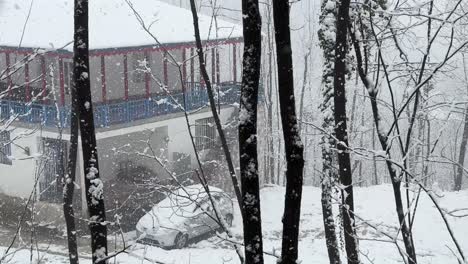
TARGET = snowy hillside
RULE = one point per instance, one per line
(374, 204)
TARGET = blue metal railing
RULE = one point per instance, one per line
(109, 114)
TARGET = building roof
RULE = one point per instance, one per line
(112, 24)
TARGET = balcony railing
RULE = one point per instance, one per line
(107, 114)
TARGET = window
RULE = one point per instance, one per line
(67, 67)
(205, 133)
(5, 148)
(54, 165)
(138, 67)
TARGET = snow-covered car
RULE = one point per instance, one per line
(184, 214)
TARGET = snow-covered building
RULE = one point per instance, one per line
(135, 112)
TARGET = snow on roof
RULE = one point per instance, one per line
(112, 24)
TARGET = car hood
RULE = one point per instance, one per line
(165, 218)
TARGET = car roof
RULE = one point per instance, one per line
(189, 194)
(196, 191)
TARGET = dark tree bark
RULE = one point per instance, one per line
(328, 222)
(464, 141)
(93, 184)
(252, 223)
(329, 175)
(69, 183)
(341, 132)
(291, 134)
(270, 172)
(219, 128)
(461, 156)
(374, 159)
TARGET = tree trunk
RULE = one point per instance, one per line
(396, 181)
(93, 184)
(248, 132)
(292, 140)
(329, 176)
(374, 159)
(464, 141)
(341, 129)
(327, 210)
(209, 89)
(69, 183)
(461, 155)
(304, 84)
(269, 102)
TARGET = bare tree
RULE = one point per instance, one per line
(461, 155)
(292, 140)
(248, 156)
(341, 131)
(93, 184)
(69, 179)
(209, 88)
(329, 175)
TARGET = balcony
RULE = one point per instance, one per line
(113, 113)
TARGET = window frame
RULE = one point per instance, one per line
(67, 72)
(205, 134)
(5, 147)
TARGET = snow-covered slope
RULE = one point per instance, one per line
(374, 204)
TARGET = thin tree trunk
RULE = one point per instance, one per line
(304, 84)
(269, 102)
(428, 152)
(219, 128)
(341, 131)
(93, 184)
(461, 155)
(252, 25)
(361, 144)
(301, 108)
(69, 183)
(292, 140)
(464, 141)
(374, 159)
(328, 222)
(396, 181)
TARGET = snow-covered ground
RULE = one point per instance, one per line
(373, 204)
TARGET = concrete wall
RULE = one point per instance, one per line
(164, 136)
(18, 179)
(157, 70)
(95, 78)
(114, 76)
(116, 150)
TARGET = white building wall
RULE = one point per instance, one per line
(18, 179)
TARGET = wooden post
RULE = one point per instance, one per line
(103, 79)
(62, 82)
(213, 65)
(165, 70)
(184, 65)
(147, 76)
(192, 67)
(7, 59)
(44, 77)
(217, 67)
(234, 63)
(125, 77)
(26, 82)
